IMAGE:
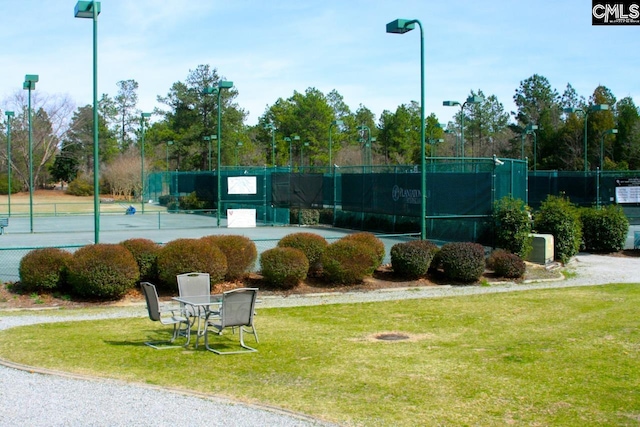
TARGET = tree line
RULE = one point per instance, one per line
(548, 129)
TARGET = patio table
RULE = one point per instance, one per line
(202, 308)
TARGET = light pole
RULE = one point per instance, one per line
(271, 127)
(143, 116)
(585, 114)
(290, 140)
(29, 84)
(209, 138)
(401, 26)
(222, 84)
(238, 145)
(433, 141)
(605, 133)
(535, 149)
(168, 144)
(305, 144)
(91, 9)
(365, 143)
(9, 114)
(528, 130)
(475, 99)
(333, 123)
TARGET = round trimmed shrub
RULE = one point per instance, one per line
(463, 261)
(412, 259)
(240, 251)
(312, 245)
(145, 252)
(103, 271)
(506, 264)
(559, 217)
(349, 261)
(512, 225)
(44, 269)
(370, 240)
(284, 267)
(605, 229)
(187, 255)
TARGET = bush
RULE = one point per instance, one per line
(240, 251)
(349, 261)
(512, 226)
(371, 241)
(81, 186)
(284, 267)
(191, 202)
(16, 185)
(506, 264)
(462, 261)
(557, 216)
(412, 259)
(103, 271)
(188, 255)
(604, 230)
(145, 252)
(312, 245)
(304, 216)
(44, 269)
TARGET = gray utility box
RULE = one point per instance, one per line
(542, 249)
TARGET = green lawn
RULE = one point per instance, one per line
(548, 357)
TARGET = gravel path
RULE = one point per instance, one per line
(53, 399)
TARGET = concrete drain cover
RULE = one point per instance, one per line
(392, 337)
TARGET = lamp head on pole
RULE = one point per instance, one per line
(30, 81)
(224, 84)
(450, 103)
(475, 99)
(400, 26)
(84, 9)
(338, 122)
(8, 113)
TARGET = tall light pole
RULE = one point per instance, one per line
(290, 140)
(29, 84)
(333, 123)
(401, 26)
(222, 84)
(209, 138)
(585, 114)
(238, 145)
(475, 99)
(535, 148)
(168, 144)
(9, 114)
(143, 117)
(272, 128)
(305, 144)
(605, 133)
(528, 130)
(366, 142)
(91, 10)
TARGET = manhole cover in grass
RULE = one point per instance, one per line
(392, 337)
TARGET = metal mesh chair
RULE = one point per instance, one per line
(236, 311)
(158, 314)
(191, 285)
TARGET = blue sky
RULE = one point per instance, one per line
(270, 49)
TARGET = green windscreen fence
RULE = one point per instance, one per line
(591, 188)
(460, 194)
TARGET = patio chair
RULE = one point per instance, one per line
(236, 311)
(190, 285)
(157, 313)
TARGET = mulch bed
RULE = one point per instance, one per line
(11, 296)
